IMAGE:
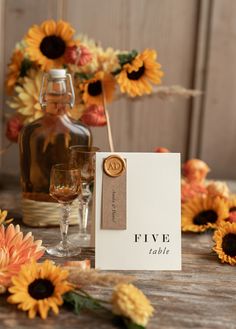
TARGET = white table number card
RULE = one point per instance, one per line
(138, 211)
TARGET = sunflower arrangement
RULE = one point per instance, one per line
(203, 213)
(209, 206)
(98, 73)
(39, 288)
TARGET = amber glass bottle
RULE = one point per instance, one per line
(45, 142)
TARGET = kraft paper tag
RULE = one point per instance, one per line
(114, 193)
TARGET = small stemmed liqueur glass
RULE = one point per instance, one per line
(65, 186)
(83, 157)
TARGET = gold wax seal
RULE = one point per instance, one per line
(114, 165)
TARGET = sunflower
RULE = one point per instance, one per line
(92, 88)
(47, 43)
(14, 70)
(135, 77)
(231, 204)
(39, 287)
(26, 100)
(202, 213)
(225, 243)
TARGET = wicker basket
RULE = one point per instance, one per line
(44, 214)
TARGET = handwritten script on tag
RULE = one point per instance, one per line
(114, 194)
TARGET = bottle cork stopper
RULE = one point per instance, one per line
(57, 73)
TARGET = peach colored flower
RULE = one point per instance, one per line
(195, 171)
(79, 264)
(190, 190)
(94, 116)
(220, 189)
(162, 150)
(232, 217)
(71, 55)
(16, 250)
(14, 126)
(78, 55)
(85, 56)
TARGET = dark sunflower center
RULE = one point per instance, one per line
(205, 217)
(52, 47)
(95, 88)
(41, 288)
(229, 244)
(232, 209)
(135, 75)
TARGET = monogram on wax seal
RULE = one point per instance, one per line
(114, 165)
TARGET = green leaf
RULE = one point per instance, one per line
(131, 325)
(78, 302)
(125, 58)
(25, 66)
(125, 323)
(83, 76)
(116, 72)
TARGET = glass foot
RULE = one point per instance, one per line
(80, 239)
(59, 251)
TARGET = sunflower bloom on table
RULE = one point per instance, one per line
(94, 88)
(225, 243)
(136, 77)
(231, 204)
(38, 288)
(130, 303)
(202, 213)
(15, 251)
(47, 43)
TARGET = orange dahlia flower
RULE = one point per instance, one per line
(16, 250)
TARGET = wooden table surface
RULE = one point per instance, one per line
(202, 295)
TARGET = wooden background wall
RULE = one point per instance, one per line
(196, 46)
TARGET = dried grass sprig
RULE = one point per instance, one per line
(94, 277)
(165, 92)
(168, 93)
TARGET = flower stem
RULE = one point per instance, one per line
(98, 301)
(109, 132)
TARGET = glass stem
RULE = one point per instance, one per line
(84, 220)
(64, 225)
(84, 205)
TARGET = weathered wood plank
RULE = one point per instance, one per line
(159, 25)
(199, 80)
(218, 131)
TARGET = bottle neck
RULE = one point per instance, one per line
(56, 97)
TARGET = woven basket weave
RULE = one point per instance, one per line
(44, 214)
